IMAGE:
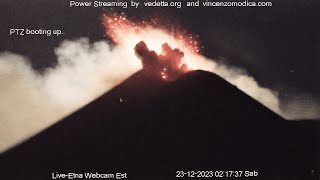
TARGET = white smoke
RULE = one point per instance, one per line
(250, 86)
(299, 106)
(31, 101)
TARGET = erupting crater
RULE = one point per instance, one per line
(168, 65)
(163, 49)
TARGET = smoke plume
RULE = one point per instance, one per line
(297, 106)
(31, 101)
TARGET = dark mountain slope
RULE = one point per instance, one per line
(198, 122)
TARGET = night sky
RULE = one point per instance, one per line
(279, 46)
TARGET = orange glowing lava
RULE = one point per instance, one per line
(159, 39)
(119, 28)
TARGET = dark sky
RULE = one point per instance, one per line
(278, 45)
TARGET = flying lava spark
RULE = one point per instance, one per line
(152, 41)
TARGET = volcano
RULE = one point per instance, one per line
(150, 128)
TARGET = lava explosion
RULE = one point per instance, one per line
(168, 63)
(142, 36)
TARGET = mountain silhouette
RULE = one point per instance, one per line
(150, 128)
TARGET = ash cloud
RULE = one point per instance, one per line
(244, 82)
(31, 101)
(298, 105)
(168, 65)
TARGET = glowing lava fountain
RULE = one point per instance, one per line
(175, 51)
